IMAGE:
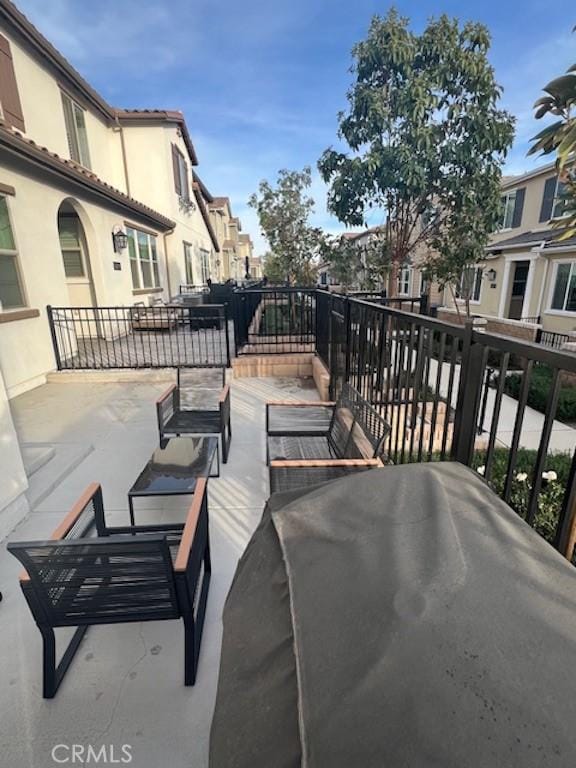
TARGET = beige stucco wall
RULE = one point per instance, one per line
(13, 481)
(40, 96)
(25, 346)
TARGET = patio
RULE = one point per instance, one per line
(125, 686)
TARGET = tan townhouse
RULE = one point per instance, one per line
(98, 205)
(528, 277)
(231, 265)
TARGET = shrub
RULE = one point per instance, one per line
(550, 497)
(539, 391)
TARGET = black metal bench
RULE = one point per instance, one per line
(311, 442)
(201, 407)
(88, 573)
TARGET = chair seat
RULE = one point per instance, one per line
(299, 447)
(197, 422)
(289, 478)
(300, 421)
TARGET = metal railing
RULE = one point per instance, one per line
(274, 320)
(161, 336)
(430, 380)
(551, 338)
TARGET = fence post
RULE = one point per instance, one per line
(424, 304)
(227, 332)
(565, 540)
(469, 393)
(54, 337)
(348, 330)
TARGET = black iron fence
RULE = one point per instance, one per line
(430, 380)
(274, 320)
(161, 336)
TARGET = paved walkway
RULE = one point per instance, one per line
(125, 684)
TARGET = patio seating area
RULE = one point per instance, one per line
(125, 685)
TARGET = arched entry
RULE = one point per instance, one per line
(75, 256)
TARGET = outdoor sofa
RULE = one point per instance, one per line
(160, 317)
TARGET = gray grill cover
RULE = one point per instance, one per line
(400, 617)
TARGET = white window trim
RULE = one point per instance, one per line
(188, 267)
(507, 195)
(549, 310)
(477, 301)
(401, 269)
(556, 201)
(138, 260)
(508, 259)
(74, 105)
(16, 255)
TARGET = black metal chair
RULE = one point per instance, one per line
(198, 404)
(89, 573)
(309, 443)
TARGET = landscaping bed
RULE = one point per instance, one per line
(539, 392)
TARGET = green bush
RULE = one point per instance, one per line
(550, 497)
(539, 391)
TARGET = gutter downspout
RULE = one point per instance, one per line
(164, 236)
(120, 130)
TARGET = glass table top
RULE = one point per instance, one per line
(175, 466)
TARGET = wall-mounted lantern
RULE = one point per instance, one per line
(119, 239)
(490, 275)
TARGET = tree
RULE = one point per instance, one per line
(354, 261)
(560, 137)
(426, 142)
(283, 213)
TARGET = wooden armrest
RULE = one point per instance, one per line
(70, 519)
(190, 526)
(295, 463)
(165, 394)
(224, 393)
(301, 403)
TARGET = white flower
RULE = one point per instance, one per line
(521, 477)
(550, 476)
(481, 470)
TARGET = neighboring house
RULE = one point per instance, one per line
(227, 229)
(74, 172)
(411, 281)
(527, 275)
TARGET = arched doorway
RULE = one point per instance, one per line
(75, 256)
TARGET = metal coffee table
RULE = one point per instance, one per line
(174, 468)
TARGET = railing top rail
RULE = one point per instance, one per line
(411, 317)
(555, 358)
(137, 307)
(279, 289)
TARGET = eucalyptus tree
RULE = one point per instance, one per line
(560, 137)
(283, 213)
(426, 142)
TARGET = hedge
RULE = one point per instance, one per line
(539, 392)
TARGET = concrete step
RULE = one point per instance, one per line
(35, 456)
(48, 476)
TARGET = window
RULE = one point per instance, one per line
(205, 265)
(508, 202)
(11, 108)
(564, 295)
(404, 280)
(71, 245)
(470, 284)
(11, 293)
(180, 173)
(188, 264)
(76, 131)
(561, 204)
(143, 259)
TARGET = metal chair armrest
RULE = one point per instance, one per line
(190, 526)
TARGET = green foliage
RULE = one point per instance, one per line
(426, 143)
(560, 137)
(539, 392)
(552, 494)
(350, 264)
(283, 213)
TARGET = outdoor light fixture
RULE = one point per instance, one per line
(491, 275)
(119, 239)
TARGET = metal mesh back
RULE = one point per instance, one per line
(89, 521)
(368, 425)
(289, 478)
(105, 580)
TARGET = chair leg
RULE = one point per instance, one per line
(190, 659)
(53, 675)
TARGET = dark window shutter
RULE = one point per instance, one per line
(518, 207)
(186, 190)
(9, 98)
(548, 199)
(176, 169)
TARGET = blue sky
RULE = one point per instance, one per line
(261, 81)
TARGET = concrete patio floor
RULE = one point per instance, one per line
(125, 686)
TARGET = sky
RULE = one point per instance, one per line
(261, 82)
